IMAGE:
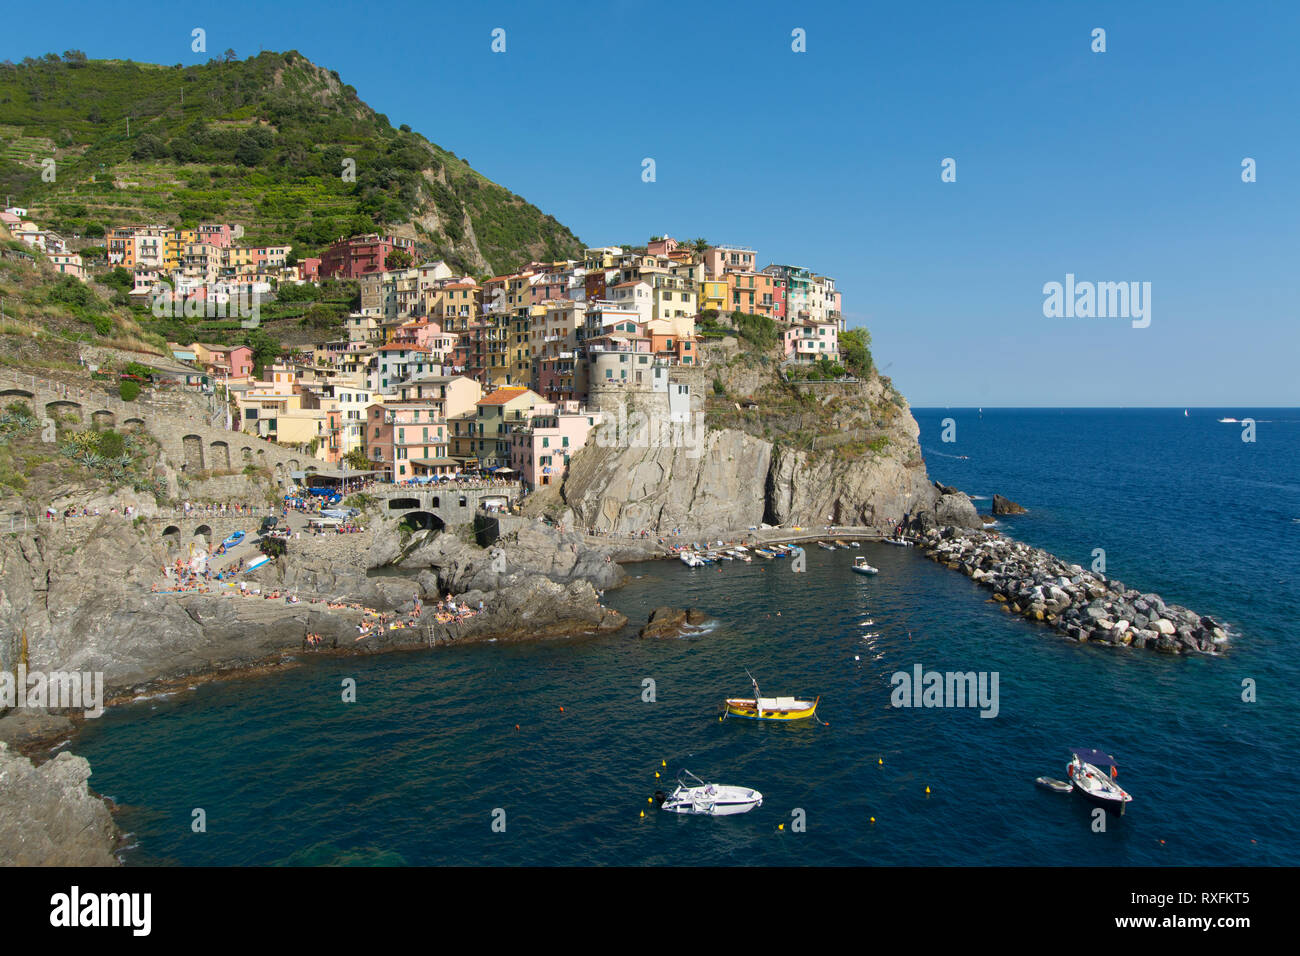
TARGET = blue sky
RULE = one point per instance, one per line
(1115, 166)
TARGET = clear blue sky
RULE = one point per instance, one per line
(1119, 166)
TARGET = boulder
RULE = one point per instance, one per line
(1005, 506)
(672, 621)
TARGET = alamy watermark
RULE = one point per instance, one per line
(922, 688)
(639, 430)
(1099, 300)
(66, 690)
(241, 303)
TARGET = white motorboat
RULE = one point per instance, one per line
(691, 559)
(708, 799)
(825, 545)
(899, 541)
(1084, 771)
(861, 567)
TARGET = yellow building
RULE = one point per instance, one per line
(714, 294)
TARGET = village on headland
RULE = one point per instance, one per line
(465, 460)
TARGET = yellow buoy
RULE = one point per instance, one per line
(780, 826)
(880, 761)
(663, 763)
(642, 813)
(873, 819)
(927, 789)
(656, 774)
(649, 799)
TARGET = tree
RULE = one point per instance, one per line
(854, 349)
(356, 460)
(266, 349)
(129, 390)
(398, 259)
(149, 146)
(229, 56)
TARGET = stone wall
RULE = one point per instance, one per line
(185, 438)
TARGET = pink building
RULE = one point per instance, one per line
(811, 341)
(215, 234)
(662, 247)
(541, 451)
(719, 260)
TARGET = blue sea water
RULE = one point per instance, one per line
(556, 740)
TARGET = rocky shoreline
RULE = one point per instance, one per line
(1082, 605)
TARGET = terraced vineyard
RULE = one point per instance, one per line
(261, 143)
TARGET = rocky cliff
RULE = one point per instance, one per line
(787, 453)
(48, 817)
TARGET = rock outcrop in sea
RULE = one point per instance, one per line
(49, 817)
(1005, 506)
(1082, 605)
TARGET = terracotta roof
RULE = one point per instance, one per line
(502, 395)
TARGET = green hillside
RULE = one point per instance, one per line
(259, 142)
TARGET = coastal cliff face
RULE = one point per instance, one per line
(720, 489)
(784, 453)
(48, 816)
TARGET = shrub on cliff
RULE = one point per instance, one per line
(855, 351)
(129, 391)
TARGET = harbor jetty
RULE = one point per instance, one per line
(1082, 605)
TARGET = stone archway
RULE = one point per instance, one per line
(422, 521)
(205, 532)
(62, 407)
(402, 504)
(193, 446)
(133, 423)
(279, 471)
(220, 452)
(246, 454)
(103, 418)
(9, 394)
(171, 537)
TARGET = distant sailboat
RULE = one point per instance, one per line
(1184, 413)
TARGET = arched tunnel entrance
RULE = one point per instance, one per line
(421, 521)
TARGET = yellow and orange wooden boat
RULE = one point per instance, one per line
(759, 707)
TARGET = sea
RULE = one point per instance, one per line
(550, 752)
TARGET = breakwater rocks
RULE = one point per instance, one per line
(1082, 605)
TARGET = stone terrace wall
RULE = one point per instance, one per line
(186, 439)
